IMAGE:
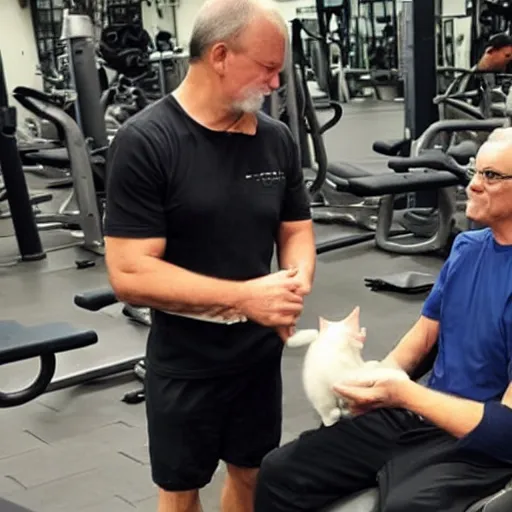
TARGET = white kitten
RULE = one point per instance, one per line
(334, 355)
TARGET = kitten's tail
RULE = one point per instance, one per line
(302, 337)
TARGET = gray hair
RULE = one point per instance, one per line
(225, 20)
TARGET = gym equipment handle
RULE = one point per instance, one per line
(34, 390)
(96, 299)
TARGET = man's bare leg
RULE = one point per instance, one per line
(187, 501)
(238, 491)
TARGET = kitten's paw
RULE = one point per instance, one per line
(335, 414)
(332, 417)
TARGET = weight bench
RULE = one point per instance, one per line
(88, 180)
(387, 187)
(18, 342)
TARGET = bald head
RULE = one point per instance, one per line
(227, 20)
(490, 190)
(498, 147)
(501, 135)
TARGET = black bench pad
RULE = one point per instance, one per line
(18, 342)
(430, 159)
(389, 147)
(391, 183)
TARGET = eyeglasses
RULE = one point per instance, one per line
(488, 175)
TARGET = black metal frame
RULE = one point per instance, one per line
(25, 228)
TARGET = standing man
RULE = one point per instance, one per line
(201, 186)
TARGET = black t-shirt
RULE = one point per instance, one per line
(218, 199)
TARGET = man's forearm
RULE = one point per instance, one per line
(297, 250)
(415, 345)
(161, 285)
(457, 416)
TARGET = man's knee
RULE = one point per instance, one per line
(274, 468)
(182, 501)
(243, 477)
(276, 487)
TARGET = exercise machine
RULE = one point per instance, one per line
(15, 186)
(18, 343)
(78, 35)
(96, 300)
(442, 172)
(82, 162)
(381, 195)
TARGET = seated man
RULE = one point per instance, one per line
(442, 446)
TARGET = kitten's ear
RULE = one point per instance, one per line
(352, 320)
(323, 323)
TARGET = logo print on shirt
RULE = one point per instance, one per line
(268, 179)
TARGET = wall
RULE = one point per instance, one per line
(187, 11)
(17, 44)
(153, 24)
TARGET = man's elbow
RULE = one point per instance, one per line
(124, 277)
(123, 285)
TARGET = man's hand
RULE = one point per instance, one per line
(272, 300)
(372, 389)
(285, 332)
(304, 287)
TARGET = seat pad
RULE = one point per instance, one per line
(393, 183)
(346, 170)
(364, 501)
(388, 147)
(18, 342)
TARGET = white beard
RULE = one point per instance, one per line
(334, 355)
(251, 103)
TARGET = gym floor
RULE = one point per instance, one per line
(83, 449)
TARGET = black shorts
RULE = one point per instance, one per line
(195, 423)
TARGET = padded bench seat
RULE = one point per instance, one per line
(392, 183)
(18, 343)
(346, 170)
(389, 147)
